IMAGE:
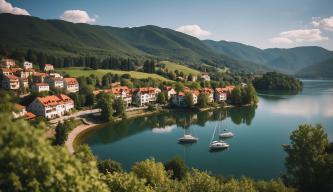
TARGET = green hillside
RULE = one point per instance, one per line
(78, 71)
(171, 66)
(323, 70)
(287, 60)
(57, 37)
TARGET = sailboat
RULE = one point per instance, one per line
(217, 145)
(188, 138)
(226, 134)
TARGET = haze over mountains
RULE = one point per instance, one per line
(65, 38)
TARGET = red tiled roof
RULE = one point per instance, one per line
(53, 100)
(30, 116)
(19, 107)
(41, 74)
(70, 81)
(41, 84)
(6, 70)
(12, 77)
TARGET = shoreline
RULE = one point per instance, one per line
(82, 128)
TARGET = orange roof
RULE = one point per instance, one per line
(41, 74)
(11, 77)
(70, 81)
(30, 116)
(19, 107)
(30, 70)
(148, 90)
(49, 65)
(41, 84)
(54, 100)
(206, 90)
(6, 70)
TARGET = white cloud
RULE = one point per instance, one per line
(6, 7)
(166, 129)
(193, 30)
(281, 40)
(326, 23)
(77, 16)
(299, 36)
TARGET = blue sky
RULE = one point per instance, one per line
(261, 23)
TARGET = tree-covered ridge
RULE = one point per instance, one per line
(287, 60)
(277, 81)
(60, 39)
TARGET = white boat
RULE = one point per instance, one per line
(218, 145)
(226, 134)
(188, 139)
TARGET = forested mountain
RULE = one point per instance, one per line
(287, 60)
(323, 70)
(58, 37)
(64, 39)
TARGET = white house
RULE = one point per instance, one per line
(7, 63)
(6, 71)
(170, 91)
(40, 87)
(205, 76)
(48, 67)
(27, 65)
(220, 94)
(179, 99)
(10, 82)
(123, 92)
(55, 82)
(71, 85)
(51, 106)
(143, 96)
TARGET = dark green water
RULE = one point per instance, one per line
(255, 151)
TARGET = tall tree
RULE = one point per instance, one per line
(309, 164)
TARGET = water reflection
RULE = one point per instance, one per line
(166, 122)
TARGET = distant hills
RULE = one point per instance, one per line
(65, 38)
(61, 38)
(286, 60)
(323, 70)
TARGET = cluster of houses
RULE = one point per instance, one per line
(145, 95)
(52, 106)
(16, 78)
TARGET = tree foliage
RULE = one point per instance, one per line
(309, 165)
(152, 171)
(177, 166)
(203, 100)
(109, 166)
(28, 162)
(277, 81)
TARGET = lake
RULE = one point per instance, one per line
(255, 151)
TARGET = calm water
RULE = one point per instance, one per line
(255, 151)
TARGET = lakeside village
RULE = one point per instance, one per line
(25, 80)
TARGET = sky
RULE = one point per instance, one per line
(260, 23)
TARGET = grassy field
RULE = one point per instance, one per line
(78, 71)
(171, 66)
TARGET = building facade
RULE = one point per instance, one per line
(51, 106)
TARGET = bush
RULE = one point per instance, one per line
(153, 172)
(177, 166)
(109, 166)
